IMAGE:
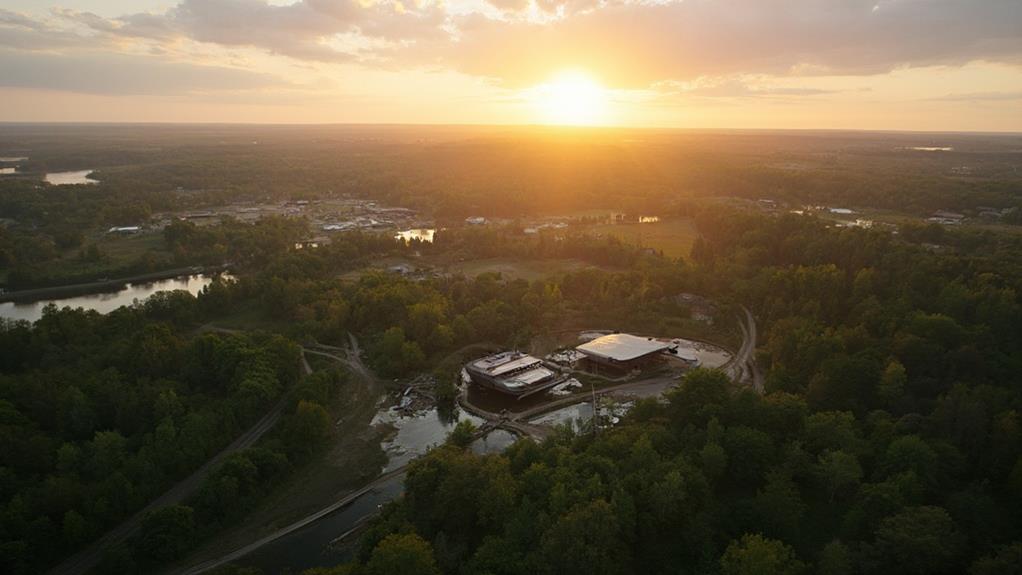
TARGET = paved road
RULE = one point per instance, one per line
(307, 520)
(342, 502)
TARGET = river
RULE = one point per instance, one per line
(108, 301)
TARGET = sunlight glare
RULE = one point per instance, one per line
(571, 98)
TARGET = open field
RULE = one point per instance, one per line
(117, 252)
(674, 237)
(509, 268)
(517, 269)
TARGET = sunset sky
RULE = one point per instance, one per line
(863, 64)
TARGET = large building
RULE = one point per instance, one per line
(512, 372)
(624, 352)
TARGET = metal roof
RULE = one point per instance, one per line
(622, 346)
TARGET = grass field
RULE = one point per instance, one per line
(117, 251)
(673, 237)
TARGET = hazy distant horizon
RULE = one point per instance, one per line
(547, 127)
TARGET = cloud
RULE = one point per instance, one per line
(981, 97)
(736, 87)
(635, 44)
(103, 73)
(304, 30)
(626, 43)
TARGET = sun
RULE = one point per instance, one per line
(571, 98)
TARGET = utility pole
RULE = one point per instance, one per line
(596, 411)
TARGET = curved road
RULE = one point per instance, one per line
(742, 367)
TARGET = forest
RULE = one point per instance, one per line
(888, 439)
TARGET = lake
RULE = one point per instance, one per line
(65, 178)
(109, 301)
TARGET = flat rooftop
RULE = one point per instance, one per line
(504, 362)
(623, 347)
(529, 377)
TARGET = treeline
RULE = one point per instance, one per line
(100, 414)
(408, 323)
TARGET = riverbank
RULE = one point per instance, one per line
(102, 286)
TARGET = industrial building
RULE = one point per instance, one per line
(513, 372)
(625, 352)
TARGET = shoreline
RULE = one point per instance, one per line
(102, 286)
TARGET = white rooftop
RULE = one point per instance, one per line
(622, 346)
(499, 364)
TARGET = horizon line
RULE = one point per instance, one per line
(566, 127)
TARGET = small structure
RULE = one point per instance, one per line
(307, 244)
(126, 230)
(624, 351)
(476, 221)
(512, 372)
(947, 218)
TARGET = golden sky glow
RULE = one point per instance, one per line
(571, 98)
(860, 64)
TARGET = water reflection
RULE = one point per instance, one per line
(65, 178)
(106, 302)
(421, 234)
(415, 434)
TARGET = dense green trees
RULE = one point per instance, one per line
(890, 420)
(102, 413)
(834, 494)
